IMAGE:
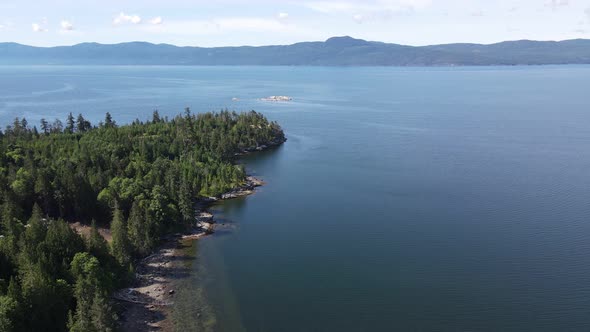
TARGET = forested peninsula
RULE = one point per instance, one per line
(141, 180)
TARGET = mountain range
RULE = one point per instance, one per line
(336, 51)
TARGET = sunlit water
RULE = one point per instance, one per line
(417, 199)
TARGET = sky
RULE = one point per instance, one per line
(263, 22)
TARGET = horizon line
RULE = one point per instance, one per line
(295, 43)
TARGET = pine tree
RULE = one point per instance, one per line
(45, 126)
(138, 230)
(185, 202)
(156, 117)
(8, 309)
(120, 248)
(93, 312)
(81, 124)
(96, 244)
(37, 213)
(70, 123)
(108, 121)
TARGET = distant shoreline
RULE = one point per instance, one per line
(336, 51)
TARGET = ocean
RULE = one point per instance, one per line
(405, 199)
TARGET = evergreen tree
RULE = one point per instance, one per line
(156, 117)
(185, 202)
(8, 311)
(108, 121)
(57, 126)
(70, 123)
(149, 171)
(120, 247)
(96, 244)
(138, 232)
(82, 124)
(93, 312)
(45, 126)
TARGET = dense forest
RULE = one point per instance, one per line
(140, 179)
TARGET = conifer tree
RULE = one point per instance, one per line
(70, 123)
(120, 248)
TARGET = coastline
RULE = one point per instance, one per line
(146, 304)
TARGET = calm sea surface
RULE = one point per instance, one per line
(412, 199)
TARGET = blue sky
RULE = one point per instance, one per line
(264, 22)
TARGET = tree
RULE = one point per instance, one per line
(82, 124)
(185, 201)
(70, 123)
(60, 245)
(139, 230)
(156, 117)
(120, 248)
(93, 312)
(96, 244)
(149, 171)
(36, 214)
(8, 311)
(45, 126)
(108, 121)
(57, 126)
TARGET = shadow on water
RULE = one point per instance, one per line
(203, 275)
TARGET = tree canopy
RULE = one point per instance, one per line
(139, 179)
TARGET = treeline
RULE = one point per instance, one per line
(140, 179)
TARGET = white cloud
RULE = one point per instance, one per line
(38, 28)
(368, 10)
(247, 23)
(282, 16)
(220, 25)
(331, 7)
(123, 18)
(5, 25)
(66, 25)
(478, 13)
(156, 20)
(555, 4)
(587, 12)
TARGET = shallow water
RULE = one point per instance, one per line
(411, 199)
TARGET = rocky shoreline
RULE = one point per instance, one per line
(146, 304)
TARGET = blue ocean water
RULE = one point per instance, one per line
(408, 199)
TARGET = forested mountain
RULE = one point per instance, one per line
(141, 180)
(337, 51)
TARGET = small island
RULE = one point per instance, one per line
(85, 207)
(277, 98)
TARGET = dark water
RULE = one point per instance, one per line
(405, 199)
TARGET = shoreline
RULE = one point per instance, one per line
(145, 305)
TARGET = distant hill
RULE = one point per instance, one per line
(337, 51)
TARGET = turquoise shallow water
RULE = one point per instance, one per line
(409, 199)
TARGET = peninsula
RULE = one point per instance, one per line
(137, 183)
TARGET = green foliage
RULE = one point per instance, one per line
(92, 311)
(141, 179)
(120, 247)
(8, 313)
(96, 244)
